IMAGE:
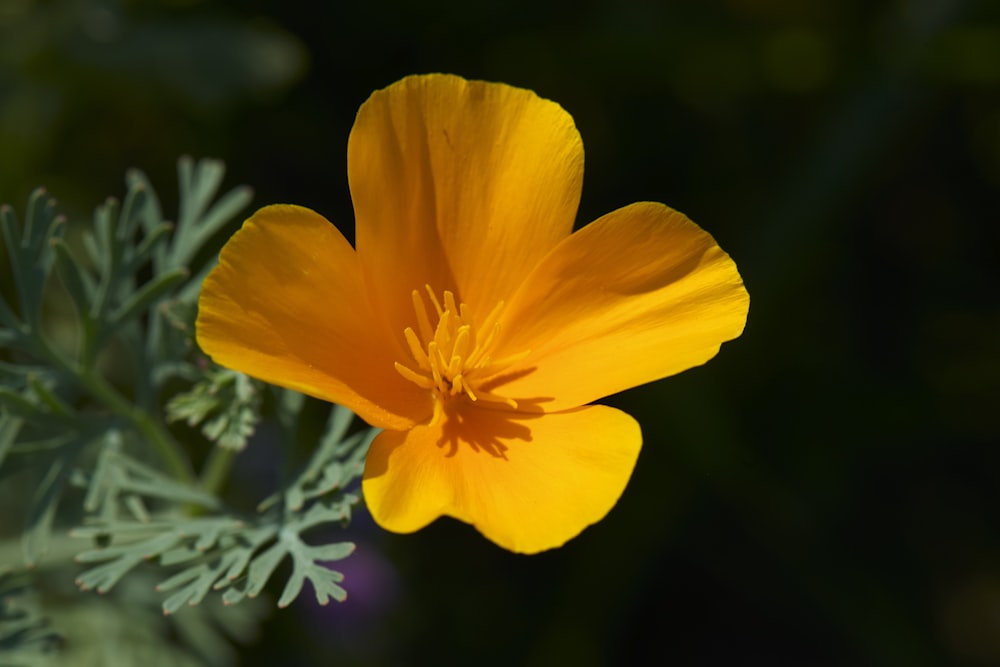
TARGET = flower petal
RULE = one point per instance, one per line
(527, 482)
(462, 185)
(640, 294)
(285, 304)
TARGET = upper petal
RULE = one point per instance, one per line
(527, 482)
(462, 185)
(635, 296)
(286, 304)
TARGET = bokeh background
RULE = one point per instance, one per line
(824, 492)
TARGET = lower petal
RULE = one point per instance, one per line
(528, 482)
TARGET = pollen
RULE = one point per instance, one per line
(452, 358)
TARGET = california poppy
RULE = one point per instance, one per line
(471, 323)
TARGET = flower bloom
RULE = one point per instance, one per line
(471, 323)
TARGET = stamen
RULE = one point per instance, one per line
(418, 378)
(438, 413)
(433, 354)
(449, 302)
(454, 366)
(441, 335)
(442, 361)
(416, 349)
(425, 324)
(434, 300)
(472, 394)
(451, 358)
(462, 340)
(484, 346)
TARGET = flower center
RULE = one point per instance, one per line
(453, 359)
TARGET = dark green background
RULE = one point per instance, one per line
(824, 492)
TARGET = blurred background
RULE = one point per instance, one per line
(825, 492)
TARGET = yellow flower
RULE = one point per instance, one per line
(471, 324)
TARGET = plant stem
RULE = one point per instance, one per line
(160, 439)
(154, 432)
(215, 472)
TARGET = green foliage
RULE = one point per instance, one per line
(226, 404)
(221, 551)
(84, 442)
(125, 627)
(25, 636)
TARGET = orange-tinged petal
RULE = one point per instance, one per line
(528, 482)
(637, 295)
(286, 304)
(460, 185)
